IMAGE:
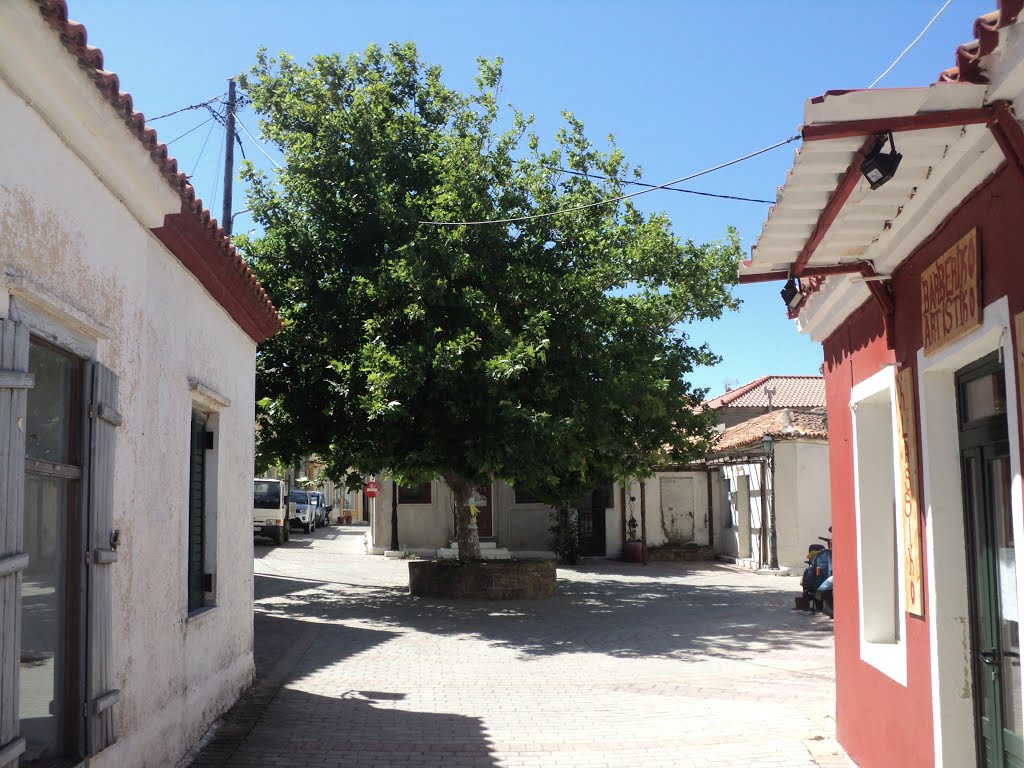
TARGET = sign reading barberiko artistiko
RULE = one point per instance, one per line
(951, 295)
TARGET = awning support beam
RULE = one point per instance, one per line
(879, 125)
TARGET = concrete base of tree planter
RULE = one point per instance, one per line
(633, 552)
(490, 580)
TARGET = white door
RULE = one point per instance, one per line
(677, 509)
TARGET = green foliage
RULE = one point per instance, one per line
(550, 352)
(564, 535)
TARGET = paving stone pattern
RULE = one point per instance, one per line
(669, 665)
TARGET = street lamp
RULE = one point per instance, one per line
(768, 444)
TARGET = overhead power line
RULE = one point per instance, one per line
(667, 189)
(912, 44)
(193, 128)
(200, 105)
(609, 201)
(254, 141)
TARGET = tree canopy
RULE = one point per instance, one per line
(549, 350)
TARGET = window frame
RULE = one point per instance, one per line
(882, 623)
(421, 493)
(76, 476)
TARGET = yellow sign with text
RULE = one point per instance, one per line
(951, 295)
(912, 586)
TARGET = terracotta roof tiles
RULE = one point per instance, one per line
(986, 32)
(783, 424)
(234, 273)
(789, 392)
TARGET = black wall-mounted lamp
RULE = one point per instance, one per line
(791, 293)
(878, 167)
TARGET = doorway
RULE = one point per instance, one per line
(991, 562)
(484, 516)
(591, 522)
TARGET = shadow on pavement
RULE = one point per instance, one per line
(657, 612)
(273, 724)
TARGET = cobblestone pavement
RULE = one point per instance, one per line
(664, 666)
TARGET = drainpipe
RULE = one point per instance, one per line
(711, 514)
(622, 509)
(394, 516)
(643, 518)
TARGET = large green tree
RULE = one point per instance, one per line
(548, 351)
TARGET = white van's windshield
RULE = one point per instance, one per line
(266, 494)
(299, 497)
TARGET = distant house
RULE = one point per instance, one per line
(721, 505)
(128, 333)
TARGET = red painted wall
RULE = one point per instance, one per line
(880, 722)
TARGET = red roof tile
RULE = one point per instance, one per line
(230, 281)
(789, 392)
(986, 31)
(784, 424)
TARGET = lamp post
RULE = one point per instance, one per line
(768, 444)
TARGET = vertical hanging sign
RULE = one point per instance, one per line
(910, 514)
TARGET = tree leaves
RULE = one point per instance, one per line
(550, 353)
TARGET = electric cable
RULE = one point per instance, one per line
(201, 150)
(517, 219)
(907, 49)
(186, 133)
(253, 140)
(667, 189)
(200, 105)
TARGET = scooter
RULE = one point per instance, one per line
(823, 598)
(817, 572)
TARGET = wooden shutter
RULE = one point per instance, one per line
(102, 554)
(197, 511)
(14, 383)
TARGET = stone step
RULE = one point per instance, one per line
(483, 545)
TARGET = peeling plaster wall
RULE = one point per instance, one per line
(63, 230)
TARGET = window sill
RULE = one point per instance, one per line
(199, 614)
(888, 658)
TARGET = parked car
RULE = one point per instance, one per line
(323, 510)
(305, 509)
(270, 515)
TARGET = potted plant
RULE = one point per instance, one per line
(633, 550)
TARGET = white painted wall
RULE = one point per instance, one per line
(85, 260)
(802, 498)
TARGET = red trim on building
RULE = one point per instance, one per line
(237, 289)
(186, 238)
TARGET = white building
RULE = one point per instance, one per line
(794, 477)
(128, 332)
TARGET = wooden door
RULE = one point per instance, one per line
(484, 516)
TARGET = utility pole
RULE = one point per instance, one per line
(229, 158)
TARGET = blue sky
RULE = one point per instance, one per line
(682, 85)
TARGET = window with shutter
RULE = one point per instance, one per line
(50, 670)
(102, 541)
(197, 511)
(15, 382)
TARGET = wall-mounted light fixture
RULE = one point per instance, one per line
(878, 167)
(791, 293)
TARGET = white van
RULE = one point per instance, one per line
(270, 510)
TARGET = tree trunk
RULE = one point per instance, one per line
(465, 534)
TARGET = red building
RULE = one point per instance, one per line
(900, 237)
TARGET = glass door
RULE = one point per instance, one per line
(995, 628)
